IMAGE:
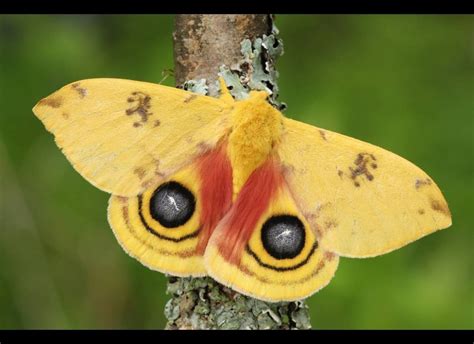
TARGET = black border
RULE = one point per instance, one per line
(160, 336)
(248, 6)
(229, 7)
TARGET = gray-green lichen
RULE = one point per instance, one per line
(202, 303)
(196, 86)
(256, 69)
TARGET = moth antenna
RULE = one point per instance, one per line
(225, 93)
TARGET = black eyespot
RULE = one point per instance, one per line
(172, 205)
(283, 236)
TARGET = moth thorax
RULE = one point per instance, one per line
(256, 127)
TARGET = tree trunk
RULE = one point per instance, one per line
(243, 49)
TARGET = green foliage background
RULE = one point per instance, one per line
(402, 82)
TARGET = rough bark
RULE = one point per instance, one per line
(202, 43)
(242, 49)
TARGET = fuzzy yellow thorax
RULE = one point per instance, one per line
(256, 126)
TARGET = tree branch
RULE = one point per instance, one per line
(243, 49)
(202, 43)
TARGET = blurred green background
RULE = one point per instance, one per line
(405, 83)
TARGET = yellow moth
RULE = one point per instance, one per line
(233, 189)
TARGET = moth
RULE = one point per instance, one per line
(262, 203)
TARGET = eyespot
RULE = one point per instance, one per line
(172, 205)
(283, 236)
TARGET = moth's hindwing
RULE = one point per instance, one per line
(264, 247)
(168, 226)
